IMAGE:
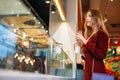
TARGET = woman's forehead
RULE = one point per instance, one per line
(88, 13)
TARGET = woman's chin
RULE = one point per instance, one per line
(88, 24)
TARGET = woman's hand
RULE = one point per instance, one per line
(80, 37)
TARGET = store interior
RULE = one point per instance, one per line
(31, 39)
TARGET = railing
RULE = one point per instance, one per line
(58, 60)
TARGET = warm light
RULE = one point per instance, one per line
(15, 30)
(23, 57)
(27, 60)
(32, 61)
(118, 50)
(31, 38)
(26, 44)
(109, 49)
(44, 40)
(12, 24)
(42, 27)
(60, 9)
(113, 52)
(116, 42)
(34, 18)
(24, 34)
(46, 31)
(16, 55)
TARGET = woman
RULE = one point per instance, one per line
(95, 43)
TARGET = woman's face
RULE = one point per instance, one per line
(88, 19)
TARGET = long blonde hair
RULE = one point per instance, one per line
(97, 21)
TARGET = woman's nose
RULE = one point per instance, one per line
(88, 19)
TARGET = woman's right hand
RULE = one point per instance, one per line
(80, 37)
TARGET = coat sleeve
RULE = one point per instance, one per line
(99, 47)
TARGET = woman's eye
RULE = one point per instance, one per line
(90, 16)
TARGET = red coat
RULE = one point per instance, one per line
(96, 48)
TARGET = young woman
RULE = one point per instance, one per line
(95, 43)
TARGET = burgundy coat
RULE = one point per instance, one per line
(96, 48)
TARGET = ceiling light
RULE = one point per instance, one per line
(12, 24)
(17, 28)
(39, 22)
(47, 1)
(60, 9)
(52, 9)
(42, 27)
(12, 12)
(46, 31)
(111, 0)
